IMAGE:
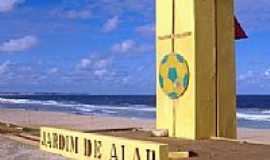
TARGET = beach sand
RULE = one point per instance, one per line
(13, 150)
(204, 149)
(36, 119)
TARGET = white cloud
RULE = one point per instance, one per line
(26, 68)
(252, 77)
(111, 24)
(83, 13)
(100, 72)
(17, 73)
(267, 74)
(85, 63)
(124, 46)
(20, 44)
(73, 14)
(127, 79)
(117, 7)
(4, 67)
(246, 76)
(131, 47)
(8, 5)
(53, 71)
(148, 29)
(93, 63)
(102, 63)
(95, 68)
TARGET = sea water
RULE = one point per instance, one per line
(252, 111)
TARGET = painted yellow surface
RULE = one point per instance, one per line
(178, 155)
(207, 109)
(205, 57)
(185, 105)
(85, 146)
(226, 101)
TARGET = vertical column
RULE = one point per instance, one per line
(196, 110)
(205, 51)
(185, 45)
(185, 105)
(226, 98)
(164, 110)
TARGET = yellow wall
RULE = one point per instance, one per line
(185, 106)
(106, 148)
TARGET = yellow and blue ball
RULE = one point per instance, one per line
(174, 75)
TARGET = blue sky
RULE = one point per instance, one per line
(107, 46)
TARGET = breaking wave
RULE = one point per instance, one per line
(79, 106)
(254, 117)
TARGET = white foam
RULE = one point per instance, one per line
(129, 108)
(30, 101)
(84, 109)
(78, 106)
(266, 112)
(109, 111)
(253, 117)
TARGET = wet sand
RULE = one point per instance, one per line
(37, 119)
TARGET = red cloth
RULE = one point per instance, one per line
(239, 31)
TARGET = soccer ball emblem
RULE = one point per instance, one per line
(174, 75)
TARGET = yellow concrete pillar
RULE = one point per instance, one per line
(226, 98)
(195, 68)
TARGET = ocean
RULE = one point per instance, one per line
(252, 111)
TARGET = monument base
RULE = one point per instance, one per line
(136, 144)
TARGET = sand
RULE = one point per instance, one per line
(203, 149)
(13, 150)
(37, 119)
(259, 136)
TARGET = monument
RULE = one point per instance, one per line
(195, 85)
(196, 95)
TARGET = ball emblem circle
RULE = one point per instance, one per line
(174, 75)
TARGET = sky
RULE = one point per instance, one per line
(107, 46)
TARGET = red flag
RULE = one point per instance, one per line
(239, 31)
